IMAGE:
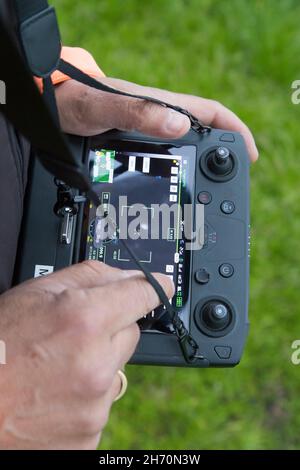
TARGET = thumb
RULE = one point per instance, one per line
(131, 114)
(87, 111)
(151, 119)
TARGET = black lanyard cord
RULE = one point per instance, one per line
(78, 75)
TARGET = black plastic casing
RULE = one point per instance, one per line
(227, 242)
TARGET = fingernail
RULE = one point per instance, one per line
(175, 121)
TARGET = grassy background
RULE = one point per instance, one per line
(244, 53)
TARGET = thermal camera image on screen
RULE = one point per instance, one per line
(123, 180)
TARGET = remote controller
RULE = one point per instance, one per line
(210, 171)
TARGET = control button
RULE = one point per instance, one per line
(223, 352)
(202, 276)
(226, 270)
(67, 226)
(227, 137)
(204, 197)
(227, 207)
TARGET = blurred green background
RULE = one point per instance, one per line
(244, 53)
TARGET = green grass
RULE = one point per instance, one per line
(245, 54)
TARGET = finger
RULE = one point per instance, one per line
(118, 350)
(209, 111)
(124, 302)
(124, 344)
(110, 111)
(83, 275)
(97, 406)
(115, 389)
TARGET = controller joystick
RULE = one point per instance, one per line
(222, 154)
(215, 317)
(220, 162)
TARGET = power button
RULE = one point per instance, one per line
(226, 270)
(227, 207)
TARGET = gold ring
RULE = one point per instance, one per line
(124, 385)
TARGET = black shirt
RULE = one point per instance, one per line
(14, 158)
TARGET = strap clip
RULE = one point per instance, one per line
(196, 124)
(188, 345)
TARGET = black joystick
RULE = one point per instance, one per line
(215, 317)
(220, 162)
(222, 154)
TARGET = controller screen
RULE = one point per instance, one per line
(135, 185)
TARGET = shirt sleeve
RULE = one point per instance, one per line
(78, 57)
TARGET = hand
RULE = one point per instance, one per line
(87, 111)
(67, 335)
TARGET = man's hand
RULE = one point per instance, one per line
(67, 335)
(87, 111)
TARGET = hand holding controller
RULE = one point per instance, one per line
(211, 295)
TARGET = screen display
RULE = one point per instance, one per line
(143, 187)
